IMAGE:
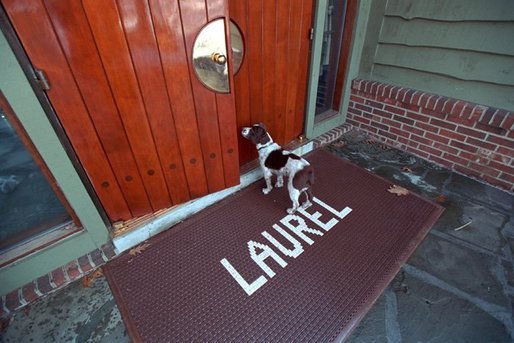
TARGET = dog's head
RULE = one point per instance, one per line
(257, 134)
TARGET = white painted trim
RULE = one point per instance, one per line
(181, 212)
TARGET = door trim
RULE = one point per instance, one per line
(357, 28)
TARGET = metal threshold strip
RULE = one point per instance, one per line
(135, 231)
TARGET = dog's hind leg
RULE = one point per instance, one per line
(280, 180)
(308, 198)
(294, 194)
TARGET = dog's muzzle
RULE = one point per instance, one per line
(245, 131)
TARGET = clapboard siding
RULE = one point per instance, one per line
(457, 64)
(462, 49)
(494, 37)
(454, 10)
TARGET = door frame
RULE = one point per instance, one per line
(358, 25)
(36, 116)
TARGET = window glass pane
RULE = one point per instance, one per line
(28, 204)
(330, 50)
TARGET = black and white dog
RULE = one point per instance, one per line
(276, 161)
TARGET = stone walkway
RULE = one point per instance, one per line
(458, 286)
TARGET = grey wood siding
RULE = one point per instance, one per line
(457, 48)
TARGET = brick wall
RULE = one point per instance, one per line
(55, 280)
(472, 139)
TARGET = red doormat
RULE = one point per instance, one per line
(244, 270)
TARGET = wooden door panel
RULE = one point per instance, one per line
(145, 56)
(272, 83)
(194, 17)
(147, 132)
(111, 43)
(31, 22)
(71, 26)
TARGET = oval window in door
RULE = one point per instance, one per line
(210, 55)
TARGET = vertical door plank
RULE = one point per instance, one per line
(226, 102)
(238, 11)
(295, 40)
(72, 28)
(108, 32)
(138, 25)
(32, 24)
(254, 39)
(168, 28)
(193, 19)
(267, 66)
(283, 66)
(303, 65)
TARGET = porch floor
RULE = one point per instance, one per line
(458, 286)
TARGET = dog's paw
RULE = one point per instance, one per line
(266, 190)
(306, 204)
(291, 210)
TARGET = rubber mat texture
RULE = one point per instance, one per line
(178, 290)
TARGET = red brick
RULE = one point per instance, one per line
(356, 98)
(421, 140)
(394, 92)
(467, 171)
(84, 263)
(508, 123)
(403, 120)
(498, 117)
(394, 110)
(449, 104)
(417, 116)
(508, 143)
(427, 127)
(379, 126)
(505, 151)
(496, 182)
(398, 132)
(390, 123)
(363, 108)
(355, 111)
(456, 159)
(29, 292)
(433, 113)
(410, 107)
(374, 87)
(380, 89)
(432, 102)
(507, 177)
(58, 277)
(12, 300)
(481, 143)
(362, 120)
(387, 134)
(501, 167)
(413, 130)
(485, 169)
(437, 138)
(441, 162)
(444, 124)
(73, 271)
(415, 97)
(401, 94)
(408, 97)
(440, 104)
(471, 132)
(457, 108)
(452, 135)
(374, 104)
(382, 113)
(43, 284)
(446, 148)
(424, 99)
(493, 129)
(96, 256)
(463, 146)
(430, 150)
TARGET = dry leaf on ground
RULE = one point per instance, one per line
(398, 190)
(88, 280)
(139, 249)
(441, 199)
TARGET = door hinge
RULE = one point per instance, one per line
(41, 79)
(311, 33)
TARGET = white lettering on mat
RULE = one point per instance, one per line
(260, 252)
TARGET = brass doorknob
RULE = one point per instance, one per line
(218, 58)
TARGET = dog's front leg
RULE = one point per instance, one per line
(267, 177)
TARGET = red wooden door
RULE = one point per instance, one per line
(271, 85)
(146, 130)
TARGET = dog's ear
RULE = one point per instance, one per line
(263, 126)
